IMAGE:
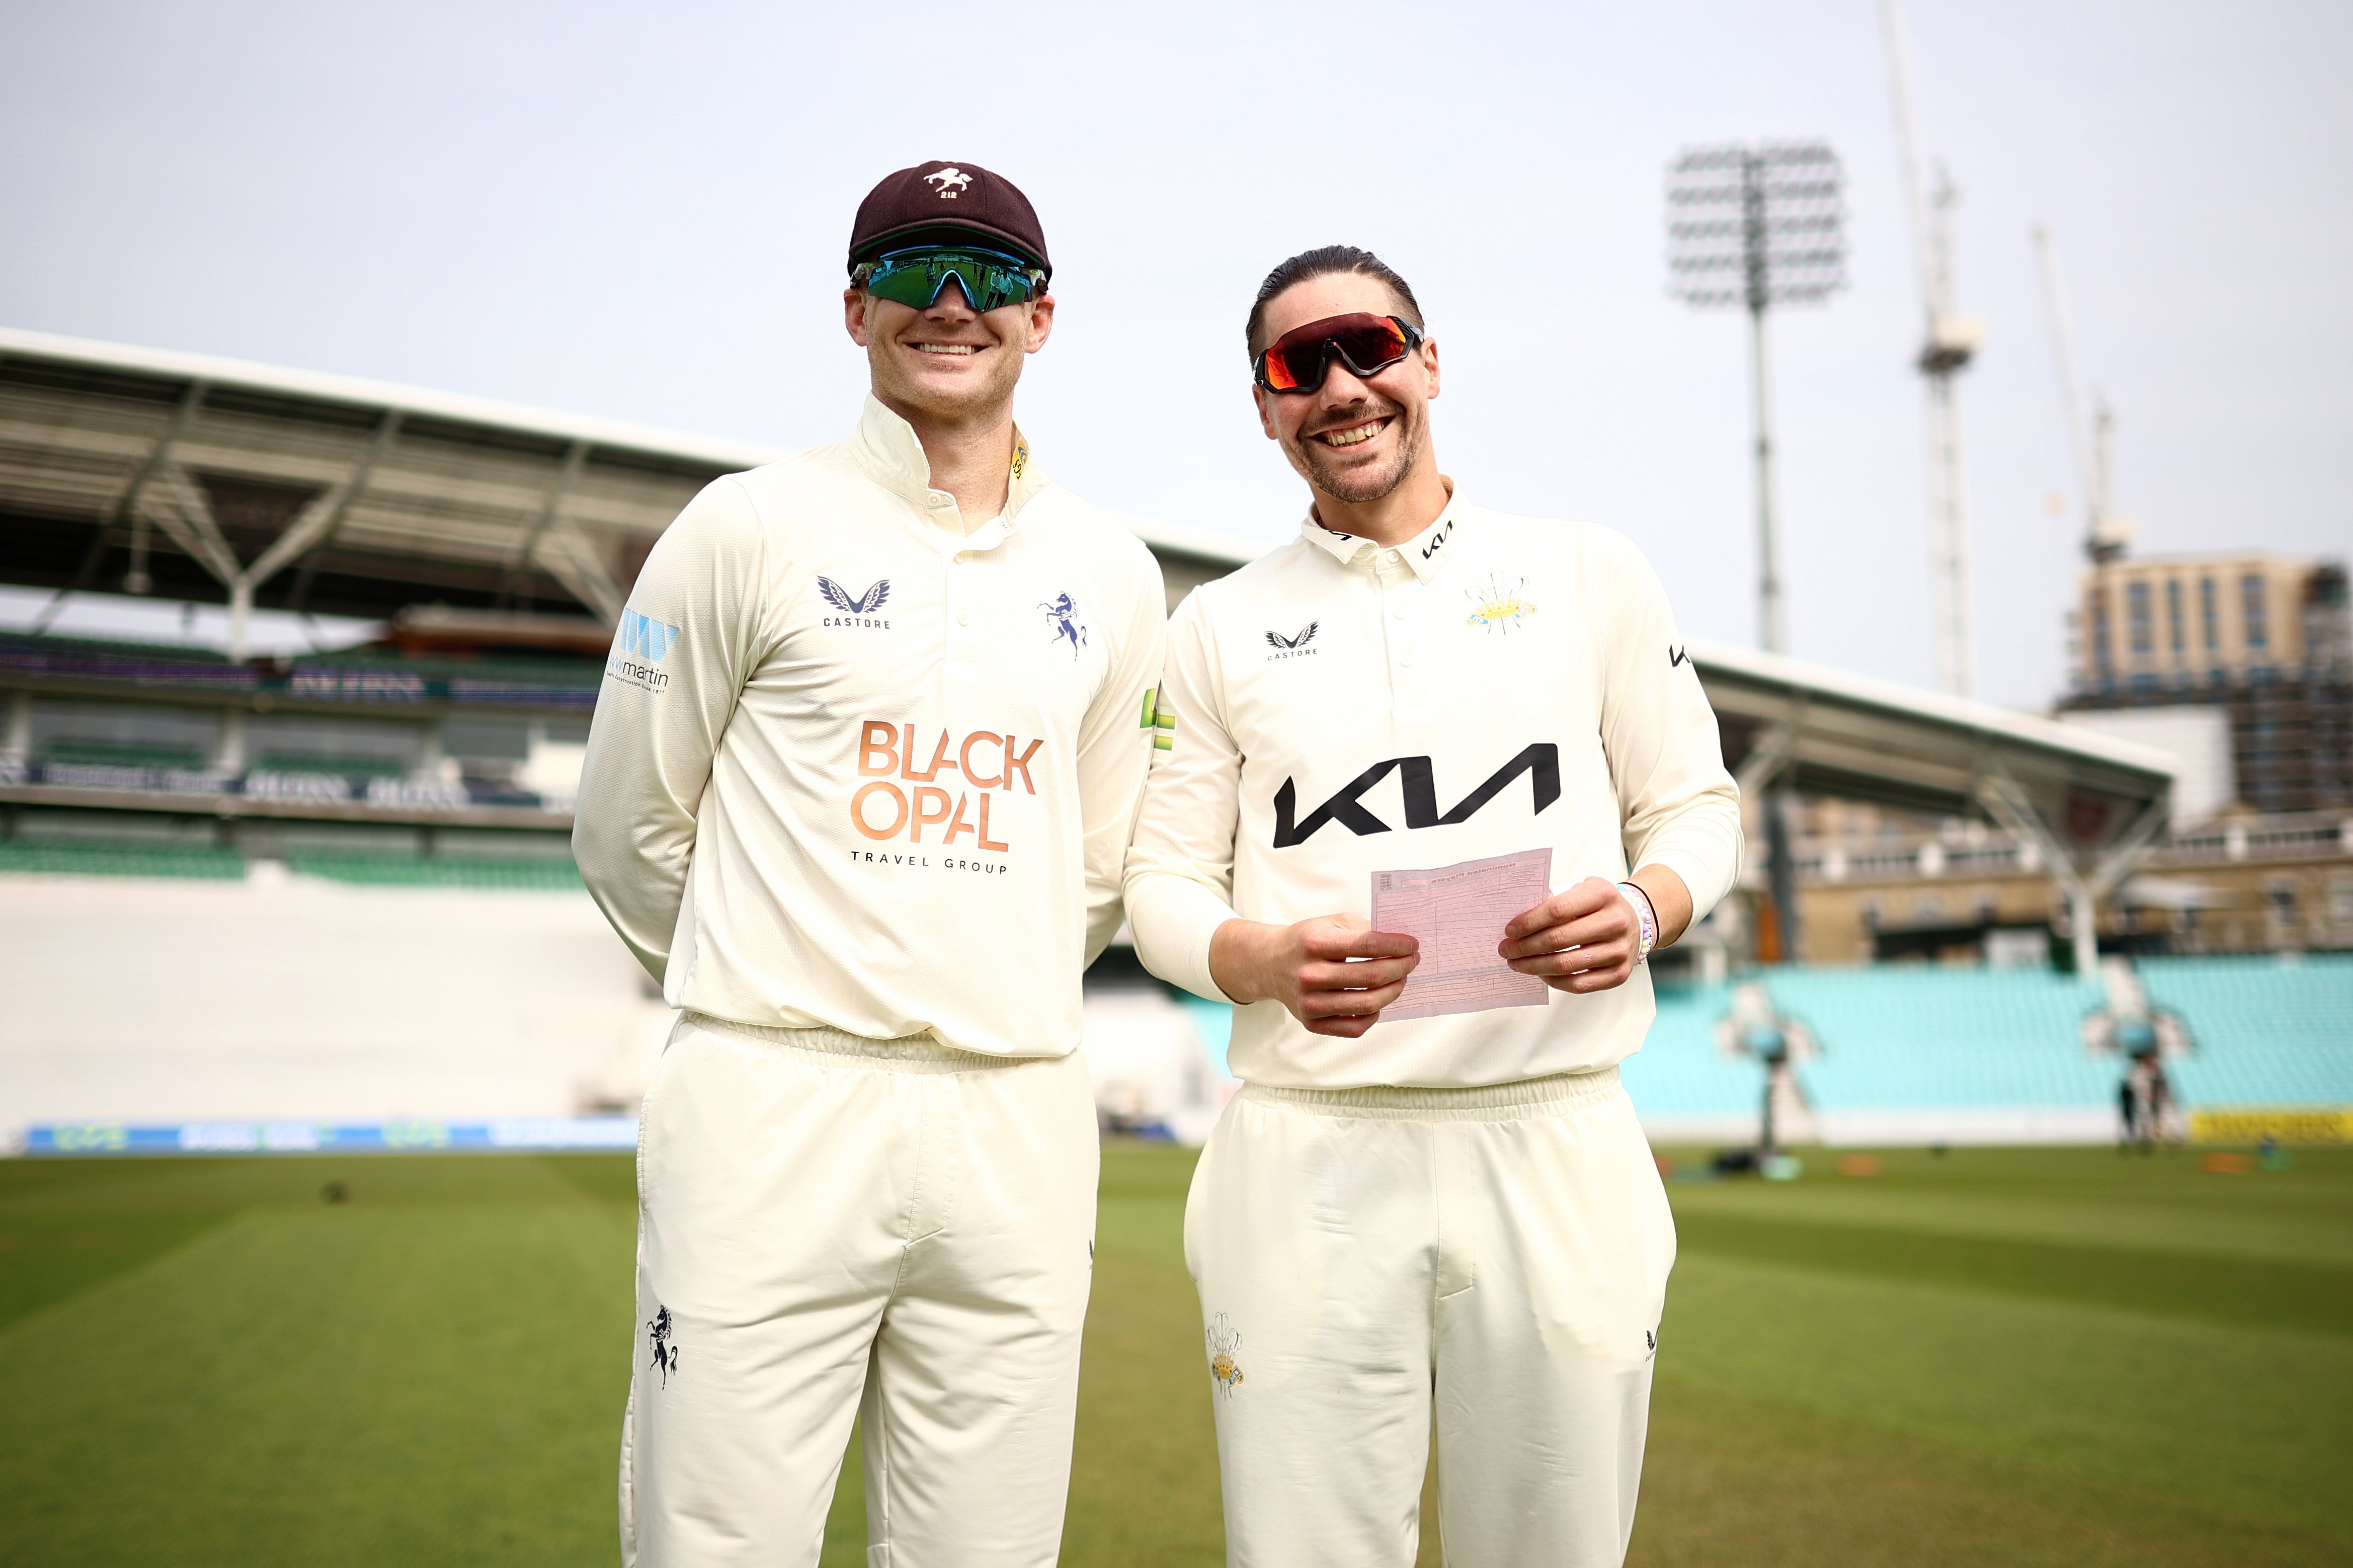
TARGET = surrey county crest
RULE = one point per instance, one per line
(1225, 1344)
(1499, 604)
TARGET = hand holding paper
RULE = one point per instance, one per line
(1579, 940)
(1334, 973)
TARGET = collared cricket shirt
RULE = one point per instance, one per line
(854, 767)
(1497, 684)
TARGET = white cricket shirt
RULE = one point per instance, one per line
(1497, 684)
(852, 766)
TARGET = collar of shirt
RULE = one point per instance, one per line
(887, 451)
(1424, 551)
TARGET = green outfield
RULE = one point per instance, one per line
(1996, 1356)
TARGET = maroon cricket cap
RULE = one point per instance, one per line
(949, 201)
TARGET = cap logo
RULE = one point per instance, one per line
(950, 182)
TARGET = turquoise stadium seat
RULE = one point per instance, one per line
(2268, 1031)
(1678, 1072)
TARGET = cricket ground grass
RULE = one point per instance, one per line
(2014, 1356)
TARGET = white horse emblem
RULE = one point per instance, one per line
(950, 181)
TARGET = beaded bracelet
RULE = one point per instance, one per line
(1645, 918)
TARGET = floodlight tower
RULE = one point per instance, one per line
(1760, 227)
(2105, 534)
(1952, 342)
(1757, 226)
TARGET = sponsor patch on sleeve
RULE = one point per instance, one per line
(640, 643)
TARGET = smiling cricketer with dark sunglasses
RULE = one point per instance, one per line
(856, 792)
(1453, 1211)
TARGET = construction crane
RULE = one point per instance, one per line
(2106, 533)
(1952, 342)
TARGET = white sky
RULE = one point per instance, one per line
(640, 212)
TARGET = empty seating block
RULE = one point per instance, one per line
(2269, 1031)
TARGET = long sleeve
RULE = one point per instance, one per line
(1114, 753)
(1180, 867)
(685, 647)
(1678, 805)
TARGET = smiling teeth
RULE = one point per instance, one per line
(1350, 437)
(946, 349)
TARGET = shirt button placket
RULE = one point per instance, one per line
(1396, 583)
(959, 604)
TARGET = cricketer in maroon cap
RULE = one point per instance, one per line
(857, 794)
(949, 369)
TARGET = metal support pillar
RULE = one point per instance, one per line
(527, 541)
(126, 505)
(1770, 632)
(228, 757)
(1950, 542)
(1781, 867)
(192, 526)
(16, 732)
(1781, 870)
(241, 612)
(2083, 925)
(2085, 884)
(385, 432)
(1768, 754)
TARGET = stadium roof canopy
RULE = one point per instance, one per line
(199, 476)
(2086, 802)
(191, 477)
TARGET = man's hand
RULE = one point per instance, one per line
(1578, 941)
(1307, 967)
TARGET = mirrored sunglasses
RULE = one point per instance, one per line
(1366, 344)
(989, 279)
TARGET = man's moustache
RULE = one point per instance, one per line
(1354, 419)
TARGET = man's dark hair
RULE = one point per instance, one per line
(1323, 261)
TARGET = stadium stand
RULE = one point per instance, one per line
(542, 874)
(1909, 1053)
(2269, 1031)
(356, 900)
(1912, 1054)
(71, 857)
(121, 754)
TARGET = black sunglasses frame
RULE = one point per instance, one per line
(1330, 348)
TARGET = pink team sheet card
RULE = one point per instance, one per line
(1457, 914)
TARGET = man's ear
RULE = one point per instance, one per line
(1265, 414)
(854, 302)
(1041, 323)
(1430, 363)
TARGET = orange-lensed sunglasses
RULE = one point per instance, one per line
(1367, 345)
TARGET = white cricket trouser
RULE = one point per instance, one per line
(1360, 1252)
(829, 1225)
